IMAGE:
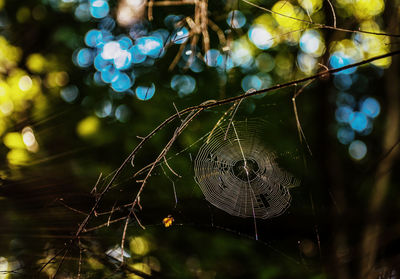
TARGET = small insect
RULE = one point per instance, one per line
(167, 221)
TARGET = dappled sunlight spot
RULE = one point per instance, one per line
(370, 107)
(94, 264)
(4, 264)
(142, 267)
(357, 149)
(88, 126)
(23, 14)
(284, 64)
(183, 84)
(242, 53)
(368, 8)
(153, 263)
(61, 78)
(312, 43)
(260, 37)
(291, 13)
(29, 139)
(265, 62)
(236, 19)
(345, 135)
(307, 63)
(36, 63)
(372, 45)
(14, 140)
(18, 157)
(311, 6)
(6, 106)
(9, 54)
(130, 11)
(145, 93)
(139, 245)
(99, 8)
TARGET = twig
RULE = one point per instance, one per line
(333, 13)
(320, 25)
(123, 240)
(299, 128)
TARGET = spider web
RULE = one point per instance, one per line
(238, 174)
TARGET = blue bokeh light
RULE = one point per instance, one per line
(345, 135)
(183, 84)
(123, 60)
(100, 63)
(358, 121)
(370, 107)
(110, 50)
(145, 93)
(69, 93)
(339, 59)
(125, 42)
(343, 114)
(107, 23)
(357, 149)
(137, 56)
(109, 74)
(122, 113)
(93, 38)
(104, 109)
(180, 36)
(171, 21)
(162, 34)
(122, 83)
(82, 12)
(213, 58)
(197, 65)
(260, 37)
(84, 57)
(150, 46)
(342, 82)
(344, 98)
(251, 82)
(99, 8)
(236, 19)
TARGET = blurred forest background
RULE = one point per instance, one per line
(83, 81)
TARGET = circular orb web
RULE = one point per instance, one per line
(240, 174)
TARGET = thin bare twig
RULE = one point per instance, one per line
(299, 128)
(320, 25)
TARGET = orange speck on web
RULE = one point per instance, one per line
(167, 221)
